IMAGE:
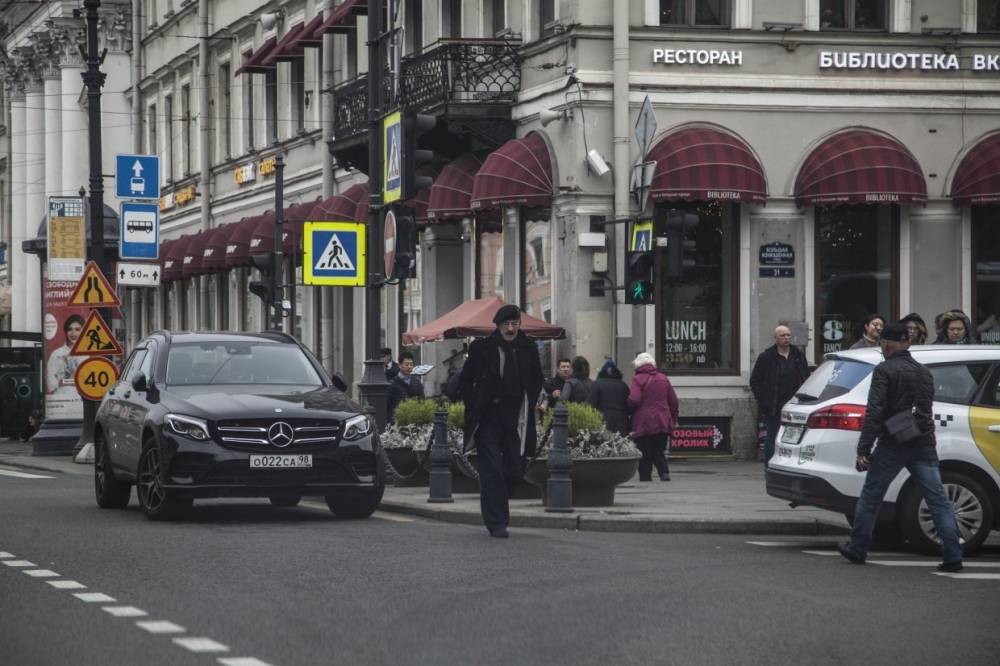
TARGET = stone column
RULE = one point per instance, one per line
(17, 263)
(512, 271)
(115, 34)
(67, 34)
(443, 277)
(35, 209)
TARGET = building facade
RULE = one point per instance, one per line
(815, 161)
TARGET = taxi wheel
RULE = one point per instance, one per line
(973, 509)
(109, 491)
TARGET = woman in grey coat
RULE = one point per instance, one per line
(609, 395)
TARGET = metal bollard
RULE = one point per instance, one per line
(559, 496)
(440, 487)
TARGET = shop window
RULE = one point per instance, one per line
(537, 296)
(986, 280)
(698, 281)
(489, 264)
(856, 248)
(853, 14)
(988, 16)
(694, 12)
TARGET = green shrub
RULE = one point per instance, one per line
(415, 411)
(456, 415)
(581, 417)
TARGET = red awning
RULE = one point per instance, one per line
(238, 242)
(287, 47)
(262, 238)
(706, 164)
(173, 259)
(164, 252)
(295, 216)
(518, 173)
(351, 205)
(214, 252)
(193, 254)
(310, 37)
(475, 319)
(256, 62)
(860, 166)
(977, 180)
(451, 194)
(342, 19)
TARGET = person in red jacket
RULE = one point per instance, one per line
(654, 407)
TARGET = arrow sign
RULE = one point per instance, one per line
(138, 274)
(137, 176)
(137, 168)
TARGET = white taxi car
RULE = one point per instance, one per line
(816, 447)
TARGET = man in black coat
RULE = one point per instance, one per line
(404, 384)
(777, 375)
(500, 384)
(900, 385)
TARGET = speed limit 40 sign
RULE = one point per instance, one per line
(94, 376)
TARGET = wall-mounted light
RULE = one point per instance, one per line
(270, 19)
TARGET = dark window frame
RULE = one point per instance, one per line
(168, 112)
(691, 13)
(297, 81)
(248, 107)
(850, 18)
(186, 128)
(226, 111)
(979, 10)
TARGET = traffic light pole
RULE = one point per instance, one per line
(374, 387)
(93, 79)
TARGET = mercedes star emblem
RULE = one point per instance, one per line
(280, 434)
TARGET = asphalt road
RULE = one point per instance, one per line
(259, 585)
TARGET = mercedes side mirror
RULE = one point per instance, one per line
(339, 381)
(140, 383)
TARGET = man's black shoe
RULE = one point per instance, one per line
(851, 556)
(501, 533)
(950, 567)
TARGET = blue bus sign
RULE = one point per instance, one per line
(137, 176)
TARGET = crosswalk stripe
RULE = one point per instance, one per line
(125, 611)
(23, 475)
(66, 584)
(94, 597)
(160, 627)
(824, 553)
(41, 573)
(243, 661)
(6, 556)
(932, 563)
(201, 645)
(19, 563)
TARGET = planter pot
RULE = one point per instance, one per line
(594, 481)
(408, 465)
(521, 491)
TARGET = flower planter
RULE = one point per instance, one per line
(594, 480)
(407, 464)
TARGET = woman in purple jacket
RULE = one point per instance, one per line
(654, 407)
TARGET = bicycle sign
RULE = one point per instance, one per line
(94, 377)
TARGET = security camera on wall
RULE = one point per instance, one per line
(597, 163)
(269, 19)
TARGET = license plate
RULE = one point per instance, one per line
(791, 434)
(276, 461)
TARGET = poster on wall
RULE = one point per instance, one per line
(62, 327)
(701, 434)
(686, 344)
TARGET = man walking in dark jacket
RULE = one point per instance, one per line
(900, 384)
(500, 384)
(777, 375)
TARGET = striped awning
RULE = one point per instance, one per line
(262, 238)
(451, 194)
(351, 205)
(193, 254)
(706, 164)
(287, 47)
(518, 173)
(257, 62)
(860, 167)
(977, 180)
(214, 248)
(295, 217)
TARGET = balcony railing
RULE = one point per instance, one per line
(466, 71)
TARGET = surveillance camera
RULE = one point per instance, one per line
(269, 19)
(597, 163)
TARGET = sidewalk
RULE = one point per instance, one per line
(705, 495)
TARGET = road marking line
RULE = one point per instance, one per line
(381, 515)
(779, 544)
(23, 475)
(160, 627)
(94, 597)
(242, 661)
(66, 584)
(125, 611)
(968, 576)
(824, 553)
(201, 645)
(19, 563)
(6, 556)
(41, 573)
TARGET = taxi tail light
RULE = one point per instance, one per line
(838, 417)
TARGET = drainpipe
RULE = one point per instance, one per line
(204, 129)
(326, 104)
(622, 163)
(136, 76)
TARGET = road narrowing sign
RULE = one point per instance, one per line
(94, 377)
(333, 253)
(96, 338)
(93, 290)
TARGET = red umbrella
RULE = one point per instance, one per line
(475, 319)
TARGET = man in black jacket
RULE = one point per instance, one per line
(900, 384)
(777, 375)
(500, 384)
(404, 384)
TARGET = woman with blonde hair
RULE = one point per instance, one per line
(654, 406)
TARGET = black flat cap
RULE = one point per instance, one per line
(895, 333)
(506, 313)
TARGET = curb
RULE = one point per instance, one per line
(636, 523)
(19, 461)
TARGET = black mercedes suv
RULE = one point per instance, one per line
(199, 415)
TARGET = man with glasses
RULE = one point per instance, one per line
(500, 384)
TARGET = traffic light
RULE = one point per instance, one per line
(415, 125)
(263, 289)
(405, 263)
(639, 278)
(680, 248)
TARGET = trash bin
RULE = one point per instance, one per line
(20, 389)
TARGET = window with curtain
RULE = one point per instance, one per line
(298, 81)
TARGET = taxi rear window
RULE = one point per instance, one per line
(832, 379)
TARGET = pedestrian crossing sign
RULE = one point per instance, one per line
(333, 254)
(642, 236)
(392, 157)
(96, 338)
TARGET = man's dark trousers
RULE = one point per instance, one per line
(500, 469)
(773, 422)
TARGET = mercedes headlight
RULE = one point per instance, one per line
(188, 426)
(357, 427)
